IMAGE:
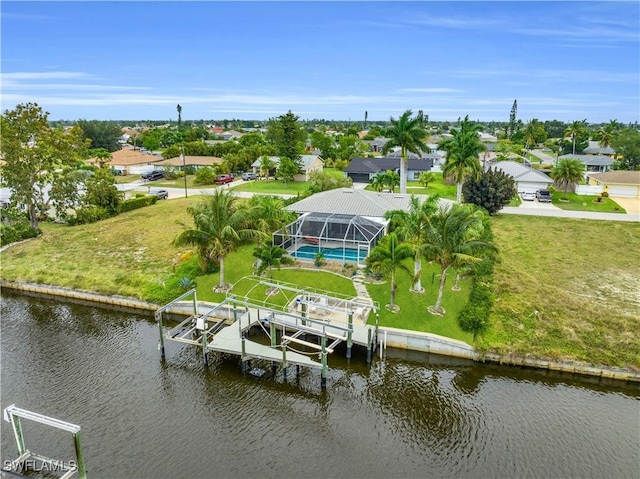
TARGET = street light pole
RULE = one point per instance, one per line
(184, 170)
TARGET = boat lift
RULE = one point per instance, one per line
(224, 328)
(12, 414)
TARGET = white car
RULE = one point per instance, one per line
(528, 196)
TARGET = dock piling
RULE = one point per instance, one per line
(368, 345)
(349, 334)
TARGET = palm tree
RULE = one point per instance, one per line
(378, 182)
(269, 213)
(462, 154)
(412, 228)
(221, 224)
(455, 237)
(102, 156)
(607, 133)
(409, 134)
(575, 130)
(386, 258)
(391, 179)
(266, 166)
(269, 256)
(567, 173)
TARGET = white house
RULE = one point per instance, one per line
(528, 180)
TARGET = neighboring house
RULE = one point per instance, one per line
(231, 135)
(598, 163)
(132, 162)
(376, 145)
(194, 161)
(528, 180)
(595, 149)
(310, 163)
(361, 170)
(487, 137)
(625, 184)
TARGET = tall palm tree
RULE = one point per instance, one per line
(455, 237)
(221, 224)
(386, 258)
(568, 172)
(575, 130)
(607, 133)
(412, 228)
(409, 134)
(462, 154)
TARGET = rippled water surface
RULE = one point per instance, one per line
(408, 415)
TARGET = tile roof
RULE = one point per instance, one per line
(620, 177)
(128, 157)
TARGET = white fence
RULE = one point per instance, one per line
(589, 189)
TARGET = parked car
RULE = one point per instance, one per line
(527, 196)
(153, 175)
(161, 194)
(544, 196)
(249, 176)
(222, 179)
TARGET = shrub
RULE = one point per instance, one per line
(605, 194)
(89, 214)
(205, 176)
(16, 231)
(474, 317)
(319, 259)
(138, 202)
(288, 260)
(550, 188)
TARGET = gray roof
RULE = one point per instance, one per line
(349, 201)
(374, 165)
(305, 161)
(595, 148)
(519, 172)
(592, 160)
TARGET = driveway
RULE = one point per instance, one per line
(632, 205)
(536, 205)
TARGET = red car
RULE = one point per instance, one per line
(222, 179)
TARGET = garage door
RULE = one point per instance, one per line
(359, 177)
(530, 187)
(623, 191)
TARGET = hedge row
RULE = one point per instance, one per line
(138, 202)
(474, 317)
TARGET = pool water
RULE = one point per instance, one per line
(342, 254)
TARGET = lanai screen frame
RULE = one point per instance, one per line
(331, 230)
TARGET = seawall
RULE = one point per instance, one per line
(395, 338)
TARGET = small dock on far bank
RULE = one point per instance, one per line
(303, 333)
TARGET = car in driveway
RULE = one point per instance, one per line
(249, 176)
(527, 196)
(222, 179)
(543, 196)
(153, 175)
(161, 194)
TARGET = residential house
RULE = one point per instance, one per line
(594, 148)
(309, 164)
(621, 183)
(231, 135)
(596, 163)
(376, 145)
(361, 170)
(528, 180)
(128, 161)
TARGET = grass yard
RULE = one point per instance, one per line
(273, 187)
(437, 187)
(413, 313)
(586, 203)
(567, 289)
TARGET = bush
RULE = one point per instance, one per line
(138, 202)
(604, 194)
(205, 176)
(551, 189)
(17, 231)
(89, 214)
(288, 260)
(474, 317)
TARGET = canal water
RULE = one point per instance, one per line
(408, 415)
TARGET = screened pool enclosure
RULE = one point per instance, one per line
(346, 238)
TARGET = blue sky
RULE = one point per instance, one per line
(335, 60)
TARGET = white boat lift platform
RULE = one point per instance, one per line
(225, 328)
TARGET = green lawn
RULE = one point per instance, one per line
(586, 203)
(273, 187)
(437, 187)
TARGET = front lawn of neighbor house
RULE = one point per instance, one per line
(273, 187)
(586, 203)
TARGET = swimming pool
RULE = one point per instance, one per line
(342, 254)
